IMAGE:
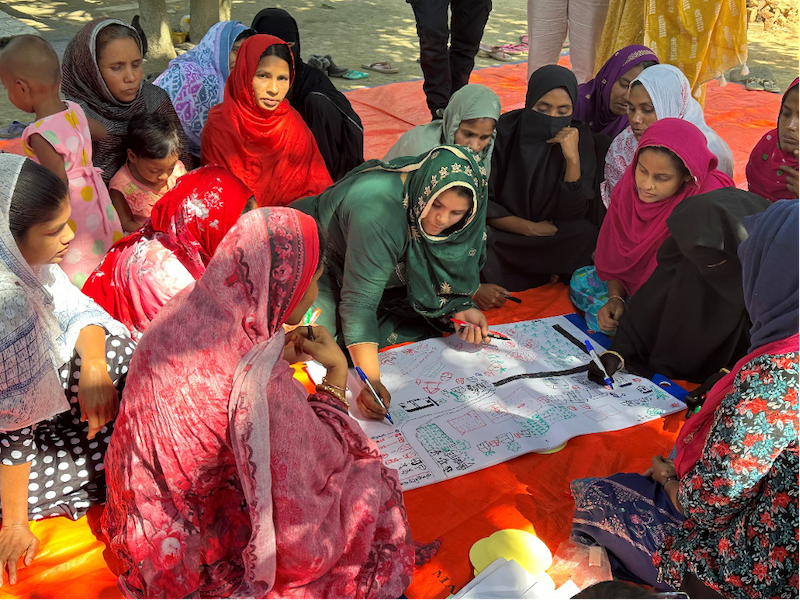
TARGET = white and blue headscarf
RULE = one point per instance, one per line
(41, 315)
(195, 81)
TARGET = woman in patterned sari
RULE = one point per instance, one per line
(225, 477)
(195, 81)
(143, 271)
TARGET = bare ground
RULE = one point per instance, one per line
(353, 32)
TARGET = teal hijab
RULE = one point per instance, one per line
(473, 101)
(442, 272)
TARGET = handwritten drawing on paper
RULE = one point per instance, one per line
(458, 407)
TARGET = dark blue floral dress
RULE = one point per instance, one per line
(741, 498)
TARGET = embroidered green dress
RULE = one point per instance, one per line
(386, 281)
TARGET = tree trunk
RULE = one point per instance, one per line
(204, 14)
(155, 24)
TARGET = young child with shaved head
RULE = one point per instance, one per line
(60, 140)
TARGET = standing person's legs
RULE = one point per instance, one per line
(466, 30)
(547, 28)
(586, 20)
(433, 32)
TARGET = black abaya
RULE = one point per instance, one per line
(688, 320)
(330, 117)
(527, 181)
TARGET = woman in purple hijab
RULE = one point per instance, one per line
(602, 102)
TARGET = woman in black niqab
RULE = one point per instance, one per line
(531, 187)
(689, 319)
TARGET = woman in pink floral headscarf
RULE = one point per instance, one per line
(224, 477)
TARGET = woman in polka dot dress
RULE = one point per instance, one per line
(53, 339)
(60, 140)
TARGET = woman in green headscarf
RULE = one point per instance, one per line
(404, 243)
(469, 120)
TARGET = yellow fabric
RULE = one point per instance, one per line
(624, 26)
(703, 38)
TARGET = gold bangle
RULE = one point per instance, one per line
(618, 355)
(724, 370)
(343, 390)
(328, 389)
(620, 297)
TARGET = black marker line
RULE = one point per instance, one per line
(571, 338)
(572, 371)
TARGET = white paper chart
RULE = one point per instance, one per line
(458, 407)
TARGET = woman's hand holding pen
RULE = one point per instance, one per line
(319, 344)
(479, 332)
(367, 403)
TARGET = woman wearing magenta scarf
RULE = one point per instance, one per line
(671, 164)
(772, 168)
(723, 517)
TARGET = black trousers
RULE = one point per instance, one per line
(447, 69)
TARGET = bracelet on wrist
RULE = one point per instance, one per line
(326, 388)
(343, 390)
(618, 355)
(619, 298)
(668, 479)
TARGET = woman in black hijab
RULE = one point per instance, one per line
(688, 320)
(335, 125)
(543, 171)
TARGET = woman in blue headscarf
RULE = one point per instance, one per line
(195, 81)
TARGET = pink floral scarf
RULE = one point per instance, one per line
(224, 478)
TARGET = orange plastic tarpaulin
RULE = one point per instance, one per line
(527, 492)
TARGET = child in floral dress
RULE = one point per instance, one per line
(152, 168)
(60, 140)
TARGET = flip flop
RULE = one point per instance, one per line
(514, 48)
(487, 51)
(523, 39)
(771, 86)
(381, 66)
(355, 75)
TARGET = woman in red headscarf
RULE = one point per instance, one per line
(257, 135)
(144, 270)
(672, 163)
(772, 171)
(225, 478)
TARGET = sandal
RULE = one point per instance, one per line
(514, 48)
(486, 51)
(771, 86)
(523, 39)
(754, 84)
(381, 66)
(355, 75)
(335, 70)
(318, 61)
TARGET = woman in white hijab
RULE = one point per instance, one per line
(659, 92)
(62, 361)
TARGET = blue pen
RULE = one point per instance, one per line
(373, 392)
(596, 359)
